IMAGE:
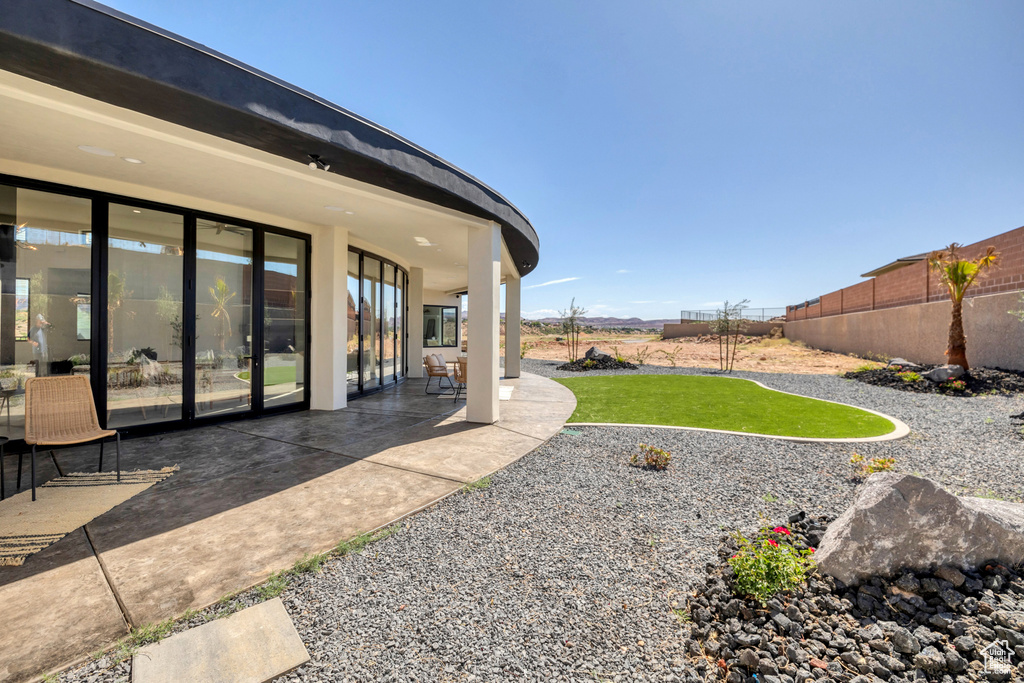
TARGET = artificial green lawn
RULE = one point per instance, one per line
(274, 375)
(716, 403)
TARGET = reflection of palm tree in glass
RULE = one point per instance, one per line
(221, 296)
(117, 293)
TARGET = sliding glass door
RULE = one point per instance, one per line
(376, 339)
(175, 316)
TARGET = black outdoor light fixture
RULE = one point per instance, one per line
(316, 162)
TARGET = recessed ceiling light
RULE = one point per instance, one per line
(136, 211)
(334, 208)
(132, 160)
(98, 151)
(424, 242)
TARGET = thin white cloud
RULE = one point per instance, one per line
(643, 302)
(622, 271)
(552, 282)
(541, 313)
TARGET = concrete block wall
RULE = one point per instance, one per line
(917, 283)
(919, 332)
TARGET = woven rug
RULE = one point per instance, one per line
(63, 505)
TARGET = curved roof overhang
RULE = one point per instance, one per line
(95, 51)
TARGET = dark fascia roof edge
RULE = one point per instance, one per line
(897, 264)
(93, 50)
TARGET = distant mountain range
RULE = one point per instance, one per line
(617, 322)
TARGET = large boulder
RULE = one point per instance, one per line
(899, 521)
(594, 353)
(944, 373)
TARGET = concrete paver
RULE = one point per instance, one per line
(55, 608)
(249, 500)
(254, 645)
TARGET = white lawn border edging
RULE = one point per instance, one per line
(900, 430)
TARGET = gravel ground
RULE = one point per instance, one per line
(569, 566)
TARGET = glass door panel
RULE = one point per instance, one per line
(388, 324)
(224, 261)
(284, 320)
(400, 325)
(144, 316)
(45, 293)
(370, 323)
(352, 345)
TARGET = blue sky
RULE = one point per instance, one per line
(675, 154)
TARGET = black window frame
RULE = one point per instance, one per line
(442, 345)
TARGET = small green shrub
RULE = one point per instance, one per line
(873, 465)
(650, 458)
(953, 385)
(589, 363)
(768, 564)
(143, 635)
(272, 587)
(909, 376)
(309, 563)
(478, 485)
(523, 348)
(865, 367)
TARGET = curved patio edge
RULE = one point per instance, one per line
(900, 430)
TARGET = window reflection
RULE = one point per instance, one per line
(144, 316)
(284, 323)
(223, 318)
(45, 280)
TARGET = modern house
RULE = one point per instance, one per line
(208, 242)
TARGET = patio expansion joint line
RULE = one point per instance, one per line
(109, 581)
(529, 436)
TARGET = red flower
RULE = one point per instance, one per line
(811, 549)
(734, 557)
(773, 542)
(781, 530)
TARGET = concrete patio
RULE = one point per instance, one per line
(250, 498)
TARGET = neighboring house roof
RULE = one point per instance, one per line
(897, 264)
(98, 52)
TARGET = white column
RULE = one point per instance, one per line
(329, 324)
(414, 323)
(512, 325)
(484, 324)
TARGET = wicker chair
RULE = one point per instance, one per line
(460, 376)
(436, 367)
(59, 411)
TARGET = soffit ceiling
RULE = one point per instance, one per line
(44, 126)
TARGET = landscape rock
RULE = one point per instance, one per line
(944, 373)
(899, 521)
(903, 363)
(594, 353)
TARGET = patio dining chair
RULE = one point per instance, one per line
(59, 411)
(460, 376)
(436, 367)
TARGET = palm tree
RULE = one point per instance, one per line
(958, 274)
(221, 296)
